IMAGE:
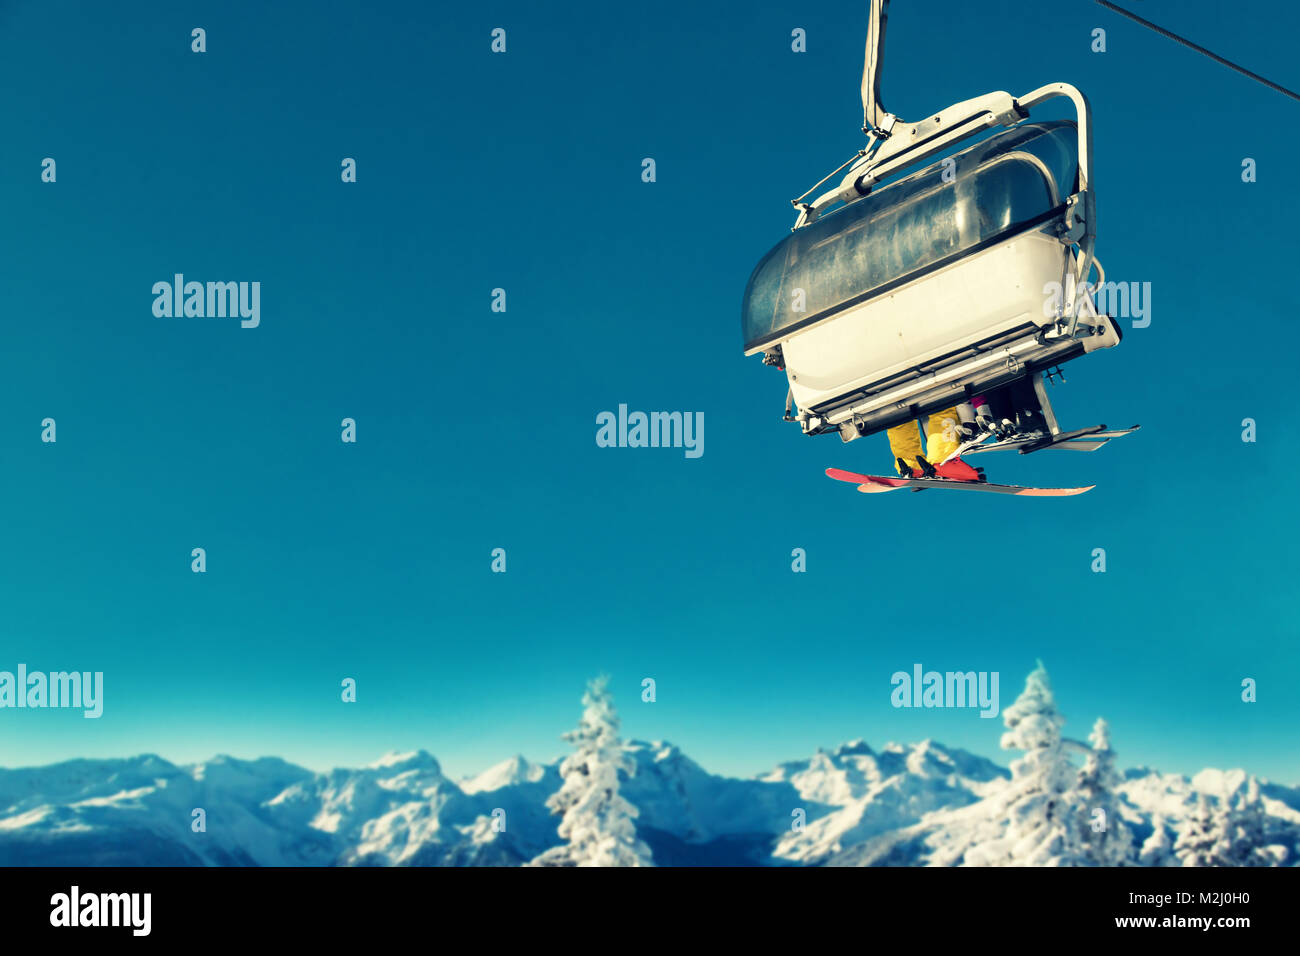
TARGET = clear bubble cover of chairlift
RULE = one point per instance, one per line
(1011, 182)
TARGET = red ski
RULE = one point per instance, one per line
(875, 483)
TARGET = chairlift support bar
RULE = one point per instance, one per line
(874, 115)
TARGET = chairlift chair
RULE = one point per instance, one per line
(897, 295)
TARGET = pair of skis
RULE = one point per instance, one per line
(874, 483)
(1085, 439)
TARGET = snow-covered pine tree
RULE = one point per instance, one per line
(1037, 824)
(1231, 833)
(1247, 831)
(597, 821)
(1096, 785)
(1158, 848)
(1203, 836)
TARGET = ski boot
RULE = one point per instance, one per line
(957, 470)
(954, 470)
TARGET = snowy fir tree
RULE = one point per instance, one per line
(1248, 842)
(1158, 849)
(1203, 837)
(1232, 832)
(597, 821)
(1037, 823)
(1106, 839)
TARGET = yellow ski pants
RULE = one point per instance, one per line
(941, 438)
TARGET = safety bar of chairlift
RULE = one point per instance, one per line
(924, 139)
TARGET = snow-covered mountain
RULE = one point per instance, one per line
(870, 793)
(916, 804)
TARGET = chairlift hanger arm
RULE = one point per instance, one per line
(874, 114)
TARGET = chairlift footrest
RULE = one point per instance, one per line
(1062, 438)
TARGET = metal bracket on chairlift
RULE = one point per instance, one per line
(1075, 226)
(883, 128)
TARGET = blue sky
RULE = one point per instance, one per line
(476, 429)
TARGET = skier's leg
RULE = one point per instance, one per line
(905, 444)
(942, 435)
(969, 412)
(1000, 410)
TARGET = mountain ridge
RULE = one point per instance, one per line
(854, 805)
